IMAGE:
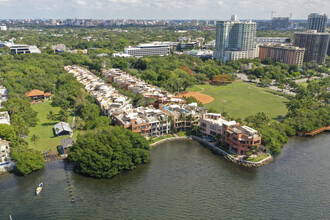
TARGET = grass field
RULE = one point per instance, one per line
(199, 88)
(47, 140)
(244, 99)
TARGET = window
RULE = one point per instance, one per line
(213, 127)
(257, 142)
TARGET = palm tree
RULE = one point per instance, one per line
(194, 128)
(182, 117)
(63, 115)
(51, 116)
(190, 118)
(34, 139)
(255, 150)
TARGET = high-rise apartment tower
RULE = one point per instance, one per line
(317, 22)
(235, 39)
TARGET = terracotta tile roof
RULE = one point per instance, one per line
(48, 94)
(34, 92)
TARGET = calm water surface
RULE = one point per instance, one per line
(183, 181)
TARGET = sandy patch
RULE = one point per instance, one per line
(199, 96)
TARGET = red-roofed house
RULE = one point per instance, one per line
(38, 95)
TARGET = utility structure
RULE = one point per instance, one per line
(271, 14)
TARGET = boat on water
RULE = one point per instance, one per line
(39, 188)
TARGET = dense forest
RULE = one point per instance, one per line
(103, 153)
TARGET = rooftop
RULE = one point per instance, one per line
(34, 92)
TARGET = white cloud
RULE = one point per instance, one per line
(79, 3)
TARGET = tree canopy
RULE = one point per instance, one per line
(27, 160)
(105, 152)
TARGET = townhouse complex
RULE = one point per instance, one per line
(168, 113)
(240, 139)
(140, 87)
(4, 119)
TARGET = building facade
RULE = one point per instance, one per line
(3, 27)
(317, 22)
(282, 53)
(4, 118)
(211, 124)
(240, 139)
(315, 43)
(3, 95)
(234, 35)
(4, 151)
(148, 50)
(276, 40)
(23, 49)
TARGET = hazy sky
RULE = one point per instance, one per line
(160, 9)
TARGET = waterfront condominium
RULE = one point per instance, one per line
(282, 53)
(235, 39)
(317, 22)
(315, 43)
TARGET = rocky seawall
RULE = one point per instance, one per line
(217, 150)
(7, 167)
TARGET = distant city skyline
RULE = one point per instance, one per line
(159, 9)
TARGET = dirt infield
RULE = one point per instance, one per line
(199, 96)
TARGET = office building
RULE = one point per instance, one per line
(148, 50)
(234, 35)
(315, 43)
(186, 46)
(3, 27)
(22, 49)
(52, 22)
(194, 22)
(317, 22)
(282, 53)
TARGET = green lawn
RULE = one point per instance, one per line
(257, 159)
(244, 99)
(44, 130)
(193, 89)
(154, 140)
(198, 88)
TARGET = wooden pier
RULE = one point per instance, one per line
(312, 133)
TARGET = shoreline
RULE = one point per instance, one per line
(217, 151)
(315, 132)
(211, 147)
